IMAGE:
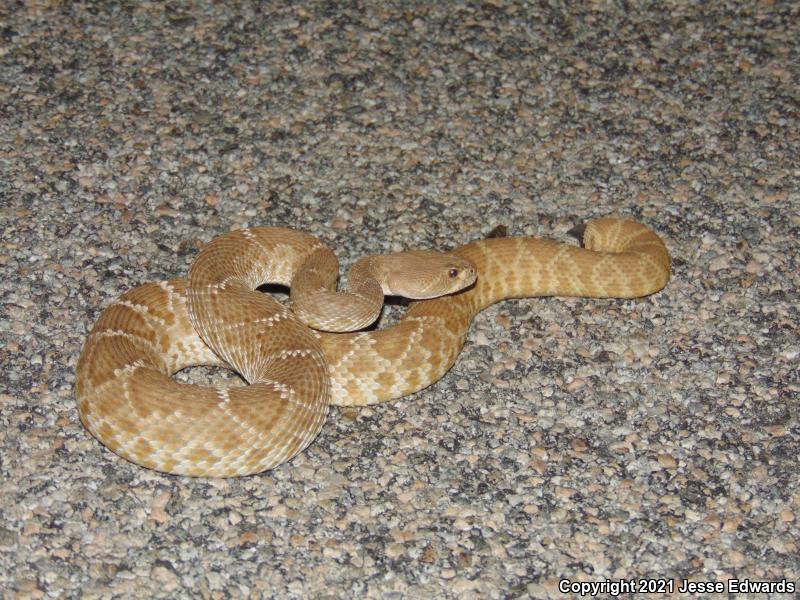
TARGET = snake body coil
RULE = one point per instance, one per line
(127, 399)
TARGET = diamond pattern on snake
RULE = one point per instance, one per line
(299, 360)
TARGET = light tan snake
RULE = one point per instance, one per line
(128, 400)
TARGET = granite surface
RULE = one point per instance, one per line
(580, 439)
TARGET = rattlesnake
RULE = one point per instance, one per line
(127, 399)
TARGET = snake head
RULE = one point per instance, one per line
(424, 274)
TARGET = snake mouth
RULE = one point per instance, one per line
(464, 284)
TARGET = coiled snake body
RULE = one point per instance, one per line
(127, 399)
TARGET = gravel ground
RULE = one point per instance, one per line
(589, 440)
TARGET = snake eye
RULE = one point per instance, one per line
(453, 273)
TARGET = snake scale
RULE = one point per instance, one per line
(128, 400)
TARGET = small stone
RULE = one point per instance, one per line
(248, 537)
(667, 461)
(166, 577)
(576, 384)
(719, 263)
(428, 555)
